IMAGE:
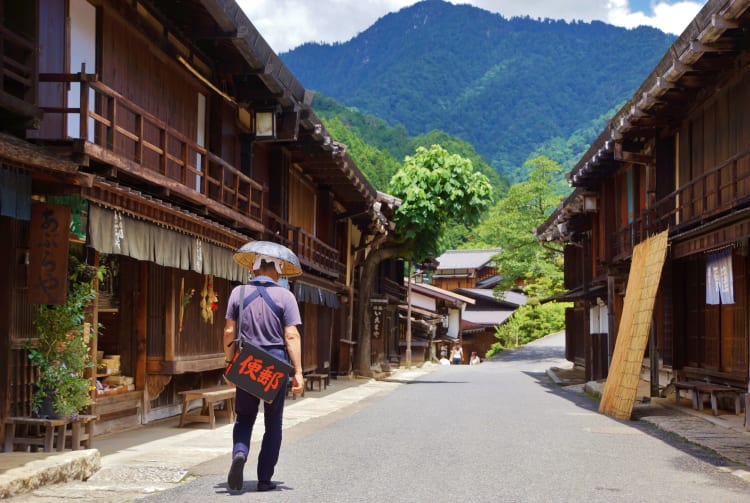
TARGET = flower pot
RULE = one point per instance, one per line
(46, 408)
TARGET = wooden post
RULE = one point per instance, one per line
(84, 110)
(611, 317)
(654, 359)
(139, 142)
(141, 326)
(588, 360)
(169, 318)
(164, 145)
(185, 162)
(112, 116)
(93, 341)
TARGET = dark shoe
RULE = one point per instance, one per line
(235, 480)
(266, 486)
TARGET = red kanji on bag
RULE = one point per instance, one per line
(258, 372)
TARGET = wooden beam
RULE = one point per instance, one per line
(720, 46)
(133, 203)
(632, 157)
(677, 70)
(17, 151)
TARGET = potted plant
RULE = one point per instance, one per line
(61, 354)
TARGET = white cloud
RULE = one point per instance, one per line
(569, 10)
(285, 24)
(671, 18)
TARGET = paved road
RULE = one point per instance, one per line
(494, 432)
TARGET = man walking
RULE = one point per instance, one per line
(270, 321)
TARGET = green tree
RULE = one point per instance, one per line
(437, 190)
(510, 225)
(528, 323)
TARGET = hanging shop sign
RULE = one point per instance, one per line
(48, 253)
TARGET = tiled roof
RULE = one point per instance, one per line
(493, 317)
(509, 296)
(466, 259)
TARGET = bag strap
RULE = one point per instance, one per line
(240, 307)
(260, 291)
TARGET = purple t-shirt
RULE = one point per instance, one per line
(260, 325)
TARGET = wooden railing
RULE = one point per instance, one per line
(625, 238)
(116, 124)
(311, 251)
(717, 192)
(17, 75)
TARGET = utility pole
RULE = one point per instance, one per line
(408, 317)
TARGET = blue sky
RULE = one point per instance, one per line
(285, 24)
(642, 6)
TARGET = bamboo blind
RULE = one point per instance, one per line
(643, 283)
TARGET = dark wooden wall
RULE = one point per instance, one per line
(309, 331)
(574, 334)
(16, 325)
(199, 337)
(715, 133)
(572, 270)
(52, 59)
(714, 337)
(132, 66)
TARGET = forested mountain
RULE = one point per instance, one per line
(510, 87)
(379, 149)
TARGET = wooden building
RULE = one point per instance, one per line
(436, 320)
(675, 157)
(472, 273)
(466, 269)
(481, 319)
(173, 134)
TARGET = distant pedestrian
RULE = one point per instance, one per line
(457, 354)
(474, 360)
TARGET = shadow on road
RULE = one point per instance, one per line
(641, 409)
(422, 381)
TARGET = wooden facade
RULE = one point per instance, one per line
(142, 116)
(676, 157)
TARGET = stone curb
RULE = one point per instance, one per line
(33, 472)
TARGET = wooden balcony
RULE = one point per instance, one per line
(719, 191)
(713, 194)
(117, 132)
(311, 251)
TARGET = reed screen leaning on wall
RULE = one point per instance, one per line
(632, 336)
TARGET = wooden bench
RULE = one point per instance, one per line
(714, 391)
(49, 434)
(34, 432)
(323, 380)
(687, 386)
(312, 376)
(700, 385)
(210, 398)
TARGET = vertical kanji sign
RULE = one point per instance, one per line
(48, 253)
